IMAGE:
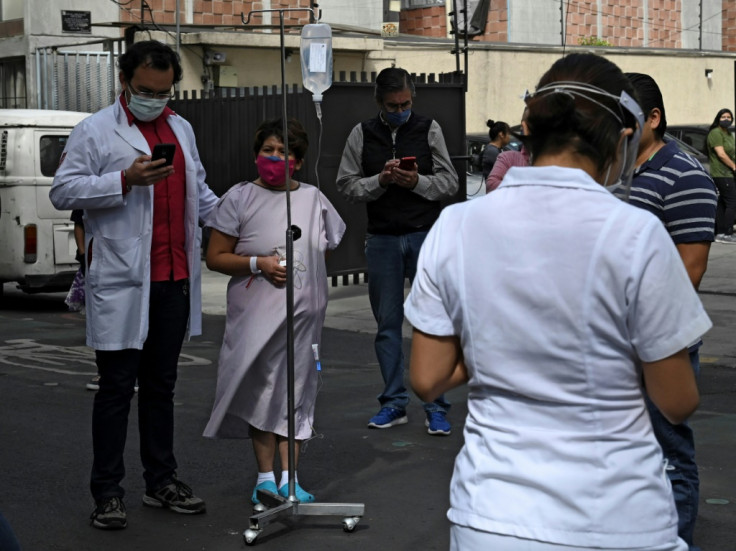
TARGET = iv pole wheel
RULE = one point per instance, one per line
(250, 536)
(348, 523)
(259, 508)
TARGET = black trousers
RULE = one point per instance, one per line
(155, 368)
(726, 210)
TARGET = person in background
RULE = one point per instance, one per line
(673, 186)
(247, 243)
(722, 155)
(589, 304)
(75, 297)
(507, 159)
(500, 136)
(402, 205)
(143, 279)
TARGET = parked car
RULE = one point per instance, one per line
(694, 135)
(687, 148)
(37, 246)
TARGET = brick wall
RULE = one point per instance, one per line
(729, 26)
(622, 23)
(215, 12)
(497, 25)
(424, 21)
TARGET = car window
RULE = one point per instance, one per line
(695, 138)
(51, 148)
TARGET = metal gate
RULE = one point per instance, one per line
(77, 80)
(224, 123)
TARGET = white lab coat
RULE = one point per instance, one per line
(119, 227)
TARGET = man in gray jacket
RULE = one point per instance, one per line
(402, 201)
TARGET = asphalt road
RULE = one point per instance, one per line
(401, 475)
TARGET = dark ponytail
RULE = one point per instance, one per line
(496, 128)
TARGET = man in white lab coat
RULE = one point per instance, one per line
(142, 241)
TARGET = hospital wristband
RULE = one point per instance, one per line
(254, 265)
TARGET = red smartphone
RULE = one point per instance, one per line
(407, 163)
(164, 151)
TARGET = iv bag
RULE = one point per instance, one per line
(316, 57)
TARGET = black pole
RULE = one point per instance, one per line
(290, 386)
(465, 45)
(456, 51)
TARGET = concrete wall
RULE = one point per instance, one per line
(534, 22)
(11, 9)
(43, 21)
(498, 78)
(712, 25)
(367, 14)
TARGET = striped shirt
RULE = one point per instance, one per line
(675, 187)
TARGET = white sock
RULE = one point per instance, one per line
(265, 477)
(285, 478)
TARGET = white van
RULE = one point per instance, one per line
(37, 247)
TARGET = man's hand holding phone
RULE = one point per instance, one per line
(146, 170)
(405, 173)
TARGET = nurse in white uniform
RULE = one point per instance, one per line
(551, 299)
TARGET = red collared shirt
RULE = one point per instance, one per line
(168, 246)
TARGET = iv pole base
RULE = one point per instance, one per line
(278, 507)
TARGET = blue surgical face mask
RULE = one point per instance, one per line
(725, 123)
(146, 109)
(397, 119)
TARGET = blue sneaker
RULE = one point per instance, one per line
(437, 423)
(302, 495)
(388, 417)
(268, 485)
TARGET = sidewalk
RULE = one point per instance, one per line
(348, 307)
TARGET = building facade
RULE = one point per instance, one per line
(677, 24)
(49, 59)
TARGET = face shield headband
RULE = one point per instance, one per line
(620, 184)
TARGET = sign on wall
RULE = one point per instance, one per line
(79, 22)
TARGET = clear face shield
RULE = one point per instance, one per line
(621, 170)
(628, 151)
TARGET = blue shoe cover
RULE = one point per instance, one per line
(269, 486)
(301, 495)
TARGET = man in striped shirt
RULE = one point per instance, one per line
(674, 187)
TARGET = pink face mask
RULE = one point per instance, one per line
(271, 170)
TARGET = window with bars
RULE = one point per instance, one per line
(13, 84)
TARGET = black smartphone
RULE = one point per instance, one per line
(407, 163)
(164, 151)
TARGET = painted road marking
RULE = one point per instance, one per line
(29, 354)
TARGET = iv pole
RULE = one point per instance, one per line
(272, 506)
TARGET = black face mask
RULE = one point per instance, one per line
(725, 123)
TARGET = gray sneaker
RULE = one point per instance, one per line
(725, 238)
(177, 496)
(109, 514)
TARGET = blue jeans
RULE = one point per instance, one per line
(678, 447)
(391, 259)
